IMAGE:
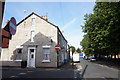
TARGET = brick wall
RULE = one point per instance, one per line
(5, 39)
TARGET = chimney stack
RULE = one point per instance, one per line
(7, 22)
(44, 17)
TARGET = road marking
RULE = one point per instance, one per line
(58, 69)
(75, 73)
(13, 76)
(75, 77)
(22, 73)
(29, 71)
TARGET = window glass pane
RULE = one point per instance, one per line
(19, 51)
(46, 57)
(46, 53)
(33, 21)
(18, 57)
(32, 36)
(32, 50)
(19, 54)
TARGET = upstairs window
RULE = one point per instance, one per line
(32, 36)
(33, 21)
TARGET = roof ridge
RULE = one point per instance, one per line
(41, 18)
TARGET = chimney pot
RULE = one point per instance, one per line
(44, 17)
(7, 22)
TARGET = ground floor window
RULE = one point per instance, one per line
(46, 57)
(19, 52)
(46, 54)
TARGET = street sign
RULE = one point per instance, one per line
(12, 26)
(57, 47)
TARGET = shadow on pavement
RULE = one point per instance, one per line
(68, 66)
(108, 64)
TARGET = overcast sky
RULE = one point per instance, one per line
(68, 16)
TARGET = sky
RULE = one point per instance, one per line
(68, 16)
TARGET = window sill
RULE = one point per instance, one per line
(46, 61)
(18, 60)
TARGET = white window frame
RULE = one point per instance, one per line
(33, 21)
(46, 47)
(32, 35)
(19, 47)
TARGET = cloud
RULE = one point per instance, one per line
(73, 40)
(68, 24)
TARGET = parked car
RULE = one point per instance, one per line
(88, 58)
(92, 59)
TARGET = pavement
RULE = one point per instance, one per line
(65, 66)
(108, 64)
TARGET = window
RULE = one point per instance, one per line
(32, 36)
(31, 50)
(19, 53)
(46, 54)
(33, 21)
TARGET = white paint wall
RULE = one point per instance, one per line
(22, 37)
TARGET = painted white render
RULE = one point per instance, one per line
(45, 34)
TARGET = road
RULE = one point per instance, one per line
(66, 72)
(92, 70)
(38, 74)
(85, 70)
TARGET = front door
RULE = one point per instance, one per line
(31, 57)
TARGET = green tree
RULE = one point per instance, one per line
(102, 29)
(78, 50)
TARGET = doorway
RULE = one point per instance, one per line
(31, 57)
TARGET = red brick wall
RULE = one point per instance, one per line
(5, 43)
(5, 40)
(5, 33)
